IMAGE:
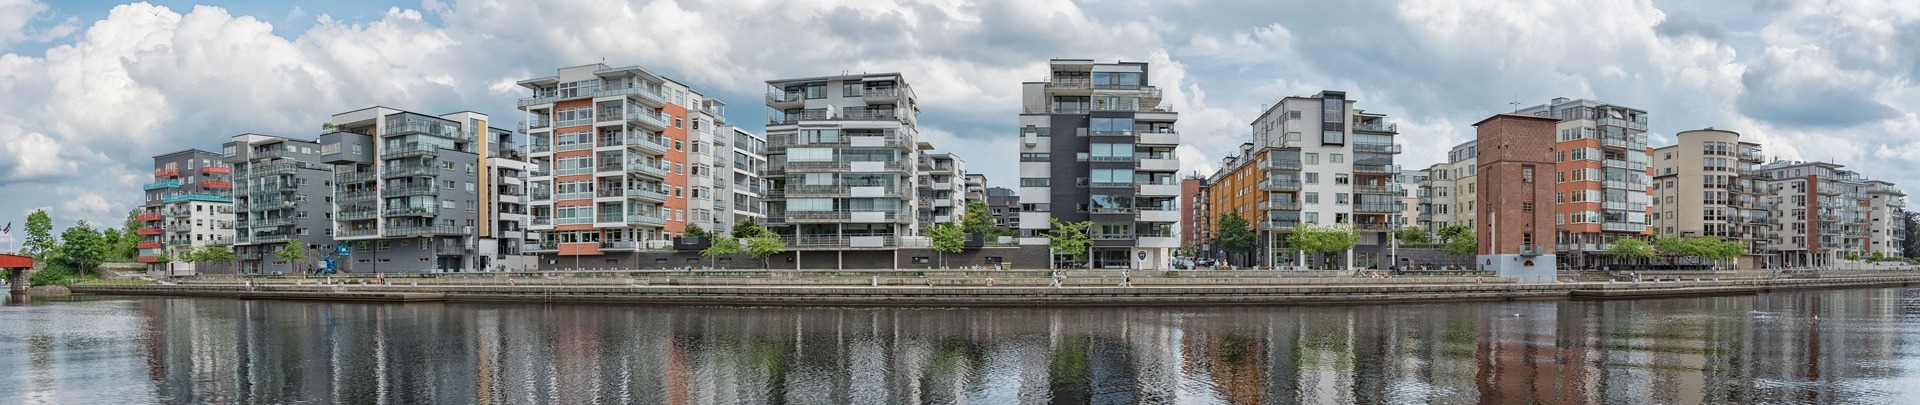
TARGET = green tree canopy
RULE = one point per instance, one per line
(978, 219)
(216, 254)
(1413, 234)
(81, 248)
(748, 229)
(947, 238)
(1322, 239)
(1070, 238)
(1459, 241)
(760, 247)
(39, 242)
(694, 231)
(293, 253)
(1450, 233)
(1234, 233)
(129, 246)
(1630, 248)
(721, 246)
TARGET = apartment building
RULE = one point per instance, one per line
(282, 194)
(1408, 185)
(1447, 195)
(1100, 126)
(624, 160)
(976, 185)
(188, 205)
(1191, 211)
(1820, 213)
(1236, 188)
(844, 161)
(1005, 206)
(502, 237)
(1324, 162)
(1602, 176)
(743, 182)
(1886, 213)
(1705, 185)
(942, 189)
(413, 192)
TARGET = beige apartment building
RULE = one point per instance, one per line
(1705, 185)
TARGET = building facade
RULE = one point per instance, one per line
(1329, 164)
(943, 189)
(743, 182)
(1096, 145)
(1602, 176)
(1820, 210)
(188, 206)
(845, 162)
(283, 195)
(1513, 205)
(1191, 211)
(1005, 206)
(410, 190)
(624, 160)
(1886, 213)
(1705, 185)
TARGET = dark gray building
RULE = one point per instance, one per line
(1005, 206)
(280, 195)
(188, 205)
(407, 189)
(1097, 145)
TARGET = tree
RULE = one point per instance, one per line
(1458, 241)
(1070, 238)
(81, 248)
(978, 219)
(760, 247)
(1631, 249)
(1413, 235)
(1851, 256)
(1319, 239)
(1235, 234)
(129, 246)
(747, 229)
(39, 241)
(695, 231)
(721, 246)
(947, 238)
(216, 254)
(293, 253)
(1877, 257)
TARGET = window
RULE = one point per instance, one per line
(1035, 182)
(1310, 198)
(1313, 158)
(1313, 178)
(1341, 178)
(1526, 206)
(1310, 217)
(1337, 158)
(1333, 138)
(1035, 157)
(1526, 174)
(1340, 198)
(1333, 110)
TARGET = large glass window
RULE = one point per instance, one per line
(809, 204)
(1112, 126)
(1116, 80)
(1333, 138)
(1111, 152)
(1333, 110)
(1112, 176)
(809, 154)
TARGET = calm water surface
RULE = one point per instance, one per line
(1853, 346)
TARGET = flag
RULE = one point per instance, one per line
(8, 229)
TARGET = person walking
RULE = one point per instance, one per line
(1056, 279)
(1126, 280)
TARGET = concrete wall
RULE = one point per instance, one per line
(1026, 257)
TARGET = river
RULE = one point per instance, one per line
(1842, 346)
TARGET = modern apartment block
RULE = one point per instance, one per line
(188, 205)
(1322, 162)
(1602, 176)
(742, 182)
(1886, 213)
(1408, 184)
(943, 189)
(1705, 185)
(1820, 210)
(1097, 145)
(415, 193)
(1005, 206)
(844, 161)
(1447, 195)
(1233, 189)
(976, 185)
(1516, 218)
(1192, 212)
(624, 160)
(282, 194)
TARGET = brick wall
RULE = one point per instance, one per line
(1510, 144)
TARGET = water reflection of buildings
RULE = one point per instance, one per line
(1770, 348)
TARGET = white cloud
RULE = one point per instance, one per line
(14, 16)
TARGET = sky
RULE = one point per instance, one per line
(93, 89)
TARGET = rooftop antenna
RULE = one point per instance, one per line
(1515, 103)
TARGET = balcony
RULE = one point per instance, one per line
(357, 233)
(357, 215)
(1280, 185)
(1375, 189)
(148, 217)
(439, 230)
(1530, 250)
(179, 242)
(1168, 190)
(148, 259)
(216, 185)
(353, 177)
(650, 121)
(409, 150)
(196, 197)
(1376, 169)
(1379, 208)
(272, 222)
(409, 171)
(149, 245)
(419, 211)
(1070, 82)
(216, 170)
(1377, 147)
(1280, 205)
(644, 94)
(165, 173)
(273, 169)
(645, 145)
(161, 184)
(1279, 225)
(624, 246)
(1159, 216)
(1293, 164)
(845, 217)
(644, 219)
(451, 250)
(782, 101)
(646, 195)
(1158, 165)
(1376, 127)
(646, 169)
(403, 191)
(880, 94)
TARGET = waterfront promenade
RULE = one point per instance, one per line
(985, 288)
